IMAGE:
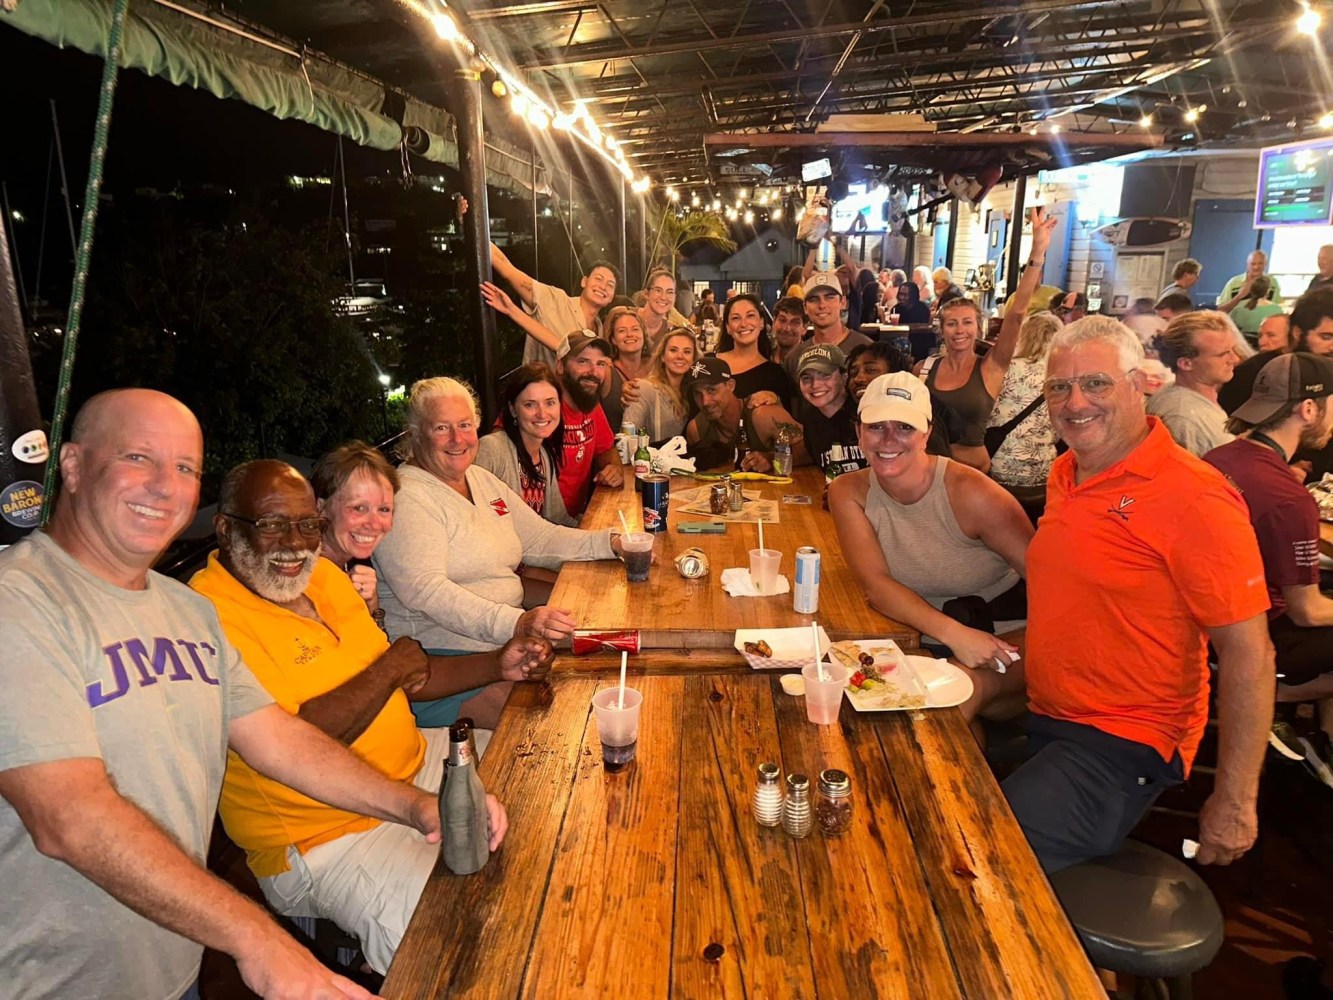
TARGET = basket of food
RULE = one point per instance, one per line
(780, 648)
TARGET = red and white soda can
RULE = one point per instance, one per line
(585, 642)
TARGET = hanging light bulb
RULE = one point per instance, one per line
(776, 214)
(519, 104)
(1145, 121)
(538, 117)
(445, 27)
(1307, 23)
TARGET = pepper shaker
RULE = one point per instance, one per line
(767, 800)
(796, 819)
(833, 808)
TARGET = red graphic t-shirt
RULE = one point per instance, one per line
(587, 435)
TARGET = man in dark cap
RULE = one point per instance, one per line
(725, 432)
(1288, 410)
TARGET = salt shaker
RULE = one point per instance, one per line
(767, 800)
(833, 807)
(796, 819)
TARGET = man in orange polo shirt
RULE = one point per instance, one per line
(1144, 556)
(311, 642)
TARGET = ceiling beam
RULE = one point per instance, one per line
(584, 54)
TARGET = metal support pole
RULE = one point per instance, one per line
(536, 243)
(1016, 236)
(476, 232)
(644, 263)
(22, 442)
(955, 209)
(624, 235)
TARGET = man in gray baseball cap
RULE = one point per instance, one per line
(1288, 410)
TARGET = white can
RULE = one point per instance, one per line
(805, 595)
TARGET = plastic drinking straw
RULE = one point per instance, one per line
(819, 663)
(623, 523)
(624, 659)
(761, 532)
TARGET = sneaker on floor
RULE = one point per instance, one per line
(1282, 738)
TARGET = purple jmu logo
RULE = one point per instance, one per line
(132, 658)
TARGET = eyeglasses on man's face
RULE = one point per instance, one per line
(1098, 385)
(279, 527)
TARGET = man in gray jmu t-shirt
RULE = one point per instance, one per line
(121, 699)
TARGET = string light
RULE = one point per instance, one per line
(673, 194)
(1192, 115)
(1326, 120)
(1145, 121)
(1307, 23)
(776, 214)
(694, 201)
(749, 217)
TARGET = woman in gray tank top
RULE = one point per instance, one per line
(919, 531)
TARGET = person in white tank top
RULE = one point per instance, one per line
(919, 530)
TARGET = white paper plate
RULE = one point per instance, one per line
(946, 686)
(791, 647)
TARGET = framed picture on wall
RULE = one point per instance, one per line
(1119, 303)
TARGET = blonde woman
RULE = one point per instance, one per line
(660, 411)
(1022, 451)
(629, 359)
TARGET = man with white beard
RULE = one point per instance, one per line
(311, 642)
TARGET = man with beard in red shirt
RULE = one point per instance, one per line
(590, 449)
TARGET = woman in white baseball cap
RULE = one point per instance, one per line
(933, 543)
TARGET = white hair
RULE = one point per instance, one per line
(942, 273)
(1102, 329)
(418, 406)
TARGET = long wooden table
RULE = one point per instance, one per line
(672, 612)
(657, 882)
(1326, 538)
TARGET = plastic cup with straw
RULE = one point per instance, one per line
(624, 661)
(636, 549)
(617, 714)
(764, 565)
(823, 686)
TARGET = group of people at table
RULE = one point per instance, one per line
(304, 675)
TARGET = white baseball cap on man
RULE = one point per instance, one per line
(899, 396)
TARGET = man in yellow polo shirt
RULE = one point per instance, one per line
(310, 640)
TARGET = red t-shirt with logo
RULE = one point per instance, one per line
(587, 435)
(1127, 571)
(1284, 515)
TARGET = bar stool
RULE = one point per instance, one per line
(1145, 914)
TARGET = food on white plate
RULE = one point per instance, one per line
(759, 648)
(855, 655)
(893, 685)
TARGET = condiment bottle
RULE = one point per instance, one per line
(465, 825)
(767, 800)
(833, 806)
(796, 819)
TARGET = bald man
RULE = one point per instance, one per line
(122, 696)
(1237, 289)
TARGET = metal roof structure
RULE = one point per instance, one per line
(662, 76)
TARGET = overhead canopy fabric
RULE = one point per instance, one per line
(302, 86)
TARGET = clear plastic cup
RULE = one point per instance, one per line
(764, 565)
(617, 728)
(637, 551)
(823, 697)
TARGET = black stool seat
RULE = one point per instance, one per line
(1141, 912)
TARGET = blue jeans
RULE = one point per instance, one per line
(442, 712)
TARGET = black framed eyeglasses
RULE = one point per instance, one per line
(278, 527)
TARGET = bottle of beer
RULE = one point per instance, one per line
(466, 828)
(742, 444)
(643, 461)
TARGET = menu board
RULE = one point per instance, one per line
(1295, 185)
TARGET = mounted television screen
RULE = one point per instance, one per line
(1295, 185)
(815, 170)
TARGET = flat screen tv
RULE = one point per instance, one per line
(1295, 185)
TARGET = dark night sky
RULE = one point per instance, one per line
(161, 134)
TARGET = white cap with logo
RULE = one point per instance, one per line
(897, 396)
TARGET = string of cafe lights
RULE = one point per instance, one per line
(526, 104)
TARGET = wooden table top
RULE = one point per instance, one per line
(672, 612)
(1326, 538)
(657, 882)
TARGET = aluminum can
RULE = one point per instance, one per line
(717, 498)
(692, 564)
(656, 492)
(805, 595)
(629, 430)
(585, 642)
